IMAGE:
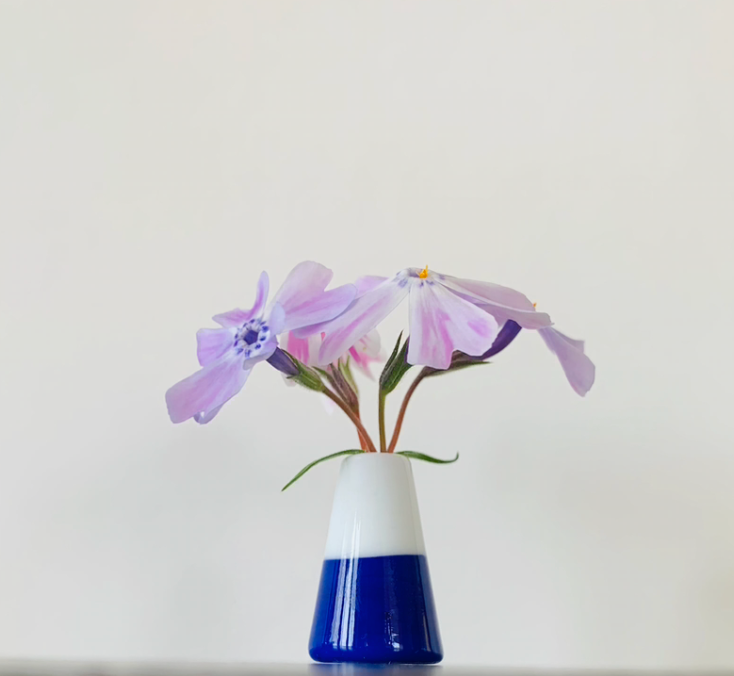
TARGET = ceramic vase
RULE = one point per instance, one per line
(375, 602)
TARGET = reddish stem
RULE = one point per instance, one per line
(357, 422)
(403, 409)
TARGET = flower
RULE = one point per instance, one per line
(304, 343)
(444, 315)
(363, 353)
(248, 337)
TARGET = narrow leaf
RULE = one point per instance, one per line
(394, 372)
(316, 462)
(391, 358)
(414, 455)
(346, 369)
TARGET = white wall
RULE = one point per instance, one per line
(155, 156)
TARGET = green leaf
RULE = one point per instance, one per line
(414, 455)
(316, 462)
(395, 369)
(392, 356)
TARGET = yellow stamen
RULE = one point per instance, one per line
(424, 273)
(535, 305)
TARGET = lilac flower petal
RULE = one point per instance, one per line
(312, 329)
(363, 315)
(276, 319)
(363, 285)
(441, 322)
(211, 344)
(500, 301)
(263, 354)
(204, 418)
(238, 317)
(306, 280)
(233, 318)
(261, 296)
(367, 283)
(207, 389)
(579, 369)
(323, 307)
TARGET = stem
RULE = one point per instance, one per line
(381, 420)
(403, 408)
(357, 422)
(362, 440)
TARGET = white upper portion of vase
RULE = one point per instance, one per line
(375, 511)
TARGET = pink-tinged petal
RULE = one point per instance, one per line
(365, 352)
(306, 350)
(363, 285)
(363, 315)
(312, 330)
(441, 322)
(211, 344)
(322, 307)
(579, 369)
(502, 302)
(370, 345)
(306, 280)
(207, 389)
(367, 283)
(238, 317)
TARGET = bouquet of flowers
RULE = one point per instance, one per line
(317, 338)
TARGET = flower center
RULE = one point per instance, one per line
(424, 273)
(251, 337)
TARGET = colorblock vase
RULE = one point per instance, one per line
(375, 602)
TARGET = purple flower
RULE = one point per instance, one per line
(247, 337)
(444, 315)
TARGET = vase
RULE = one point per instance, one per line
(375, 602)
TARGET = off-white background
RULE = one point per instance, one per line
(154, 157)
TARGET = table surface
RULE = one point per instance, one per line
(102, 668)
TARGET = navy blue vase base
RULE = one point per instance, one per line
(378, 610)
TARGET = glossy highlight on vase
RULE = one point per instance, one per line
(376, 609)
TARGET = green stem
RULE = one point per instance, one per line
(381, 419)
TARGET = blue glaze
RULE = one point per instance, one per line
(376, 609)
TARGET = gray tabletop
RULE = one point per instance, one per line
(68, 668)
